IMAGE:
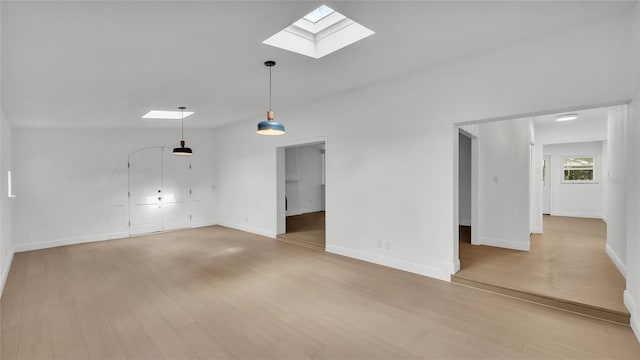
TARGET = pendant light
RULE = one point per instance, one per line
(269, 126)
(182, 150)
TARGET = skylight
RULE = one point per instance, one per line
(319, 13)
(319, 33)
(161, 114)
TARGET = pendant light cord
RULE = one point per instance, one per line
(270, 88)
(182, 122)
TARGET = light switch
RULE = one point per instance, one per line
(495, 178)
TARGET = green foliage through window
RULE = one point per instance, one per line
(579, 169)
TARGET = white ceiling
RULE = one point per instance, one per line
(584, 116)
(105, 64)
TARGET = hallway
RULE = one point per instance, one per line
(567, 263)
(307, 230)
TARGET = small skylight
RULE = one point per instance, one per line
(319, 33)
(319, 13)
(161, 114)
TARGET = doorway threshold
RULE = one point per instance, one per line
(575, 307)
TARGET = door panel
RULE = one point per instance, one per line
(145, 191)
(177, 183)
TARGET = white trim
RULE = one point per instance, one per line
(390, 262)
(5, 272)
(508, 244)
(69, 241)
(575, 214)
(201, 223)
(304, 211)
(249, 229)
(91, 238)
(453, 267)
(630, 303)
(311, 141)
(616, 260)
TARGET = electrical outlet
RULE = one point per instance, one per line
(388, 245)
(379, 244)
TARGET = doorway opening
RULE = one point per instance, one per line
(159, 191)
(302, 194)
(465, 175)
(546, 198)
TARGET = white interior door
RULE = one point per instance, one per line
(176, 205)
(546, 181)
(145, 191)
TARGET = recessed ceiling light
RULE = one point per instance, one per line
(319, 33)
(161, 114)
(567, 117)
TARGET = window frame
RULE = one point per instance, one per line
(595, 179)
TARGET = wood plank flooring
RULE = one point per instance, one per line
(218, 293)
(306, 230)
(567, 262)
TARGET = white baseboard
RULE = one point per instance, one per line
(616, 260)
(452, 267)
(69, 241)
(631, 305)
(508, 244)
(390, 262)
(5, 272)
(202, 223)
(250, 229)
(87, 239)
(464, 222)
(303, 211)
(576, 214)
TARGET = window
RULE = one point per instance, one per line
(9, 185)
(579, 169)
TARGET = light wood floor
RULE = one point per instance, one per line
(217, 293)
(306, 229)
(568, 261)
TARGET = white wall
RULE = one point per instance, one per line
(67, 181)
(504, 193)
(632, 294)
(577, 200)
(616, 187)
(581, 130)
(6, 210)
(464, 182)
(304, 188)
(393, 181)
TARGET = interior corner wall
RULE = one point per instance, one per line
(397, 186)
(304, 187)
(464, 182)
(632, 294)
(616, 186)
(570, 199)
(503, 180)
(67, 181)
(537, 188)
(6, 204)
